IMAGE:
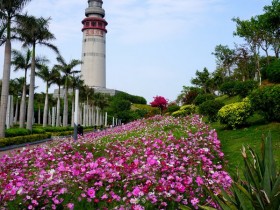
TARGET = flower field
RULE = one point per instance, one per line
(155, 163)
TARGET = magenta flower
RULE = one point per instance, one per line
(70, 206)
(91, 192)
(194, 201)
(136, 192)
(199, 181)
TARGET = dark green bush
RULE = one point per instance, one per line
(57, 129)
(38, 131)
(172, 108)
(273, 71)
(16, 132)
(202, 98)
(22, 139)
(266, 100)
(228, 88)
(245, 88)
(210, 109)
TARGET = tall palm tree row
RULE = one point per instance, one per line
(22, 60)
(67, 69)
(49, 77)
(9, 10)
(34, 31)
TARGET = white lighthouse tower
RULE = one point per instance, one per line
(93, 69)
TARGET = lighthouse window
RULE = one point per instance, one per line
(99, 24)
(93, 23)
(87, 23)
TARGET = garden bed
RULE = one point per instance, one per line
(157, 163)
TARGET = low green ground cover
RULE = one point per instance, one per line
(232, 141)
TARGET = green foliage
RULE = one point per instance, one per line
(261, 187)
(266, 100)
(131, 98)
(235, 114)
(228, 88)
(173, 107)
(38, 131)
(188, 94)
(202, 98)
(16, 132)
(273, 71)
(184, 111)
(245, 88)
(22, 139)
(203, 80)
(210, 109)
(56, 129)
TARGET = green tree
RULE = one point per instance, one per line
(9, 10)
(67, 69)
(22, 61)
(225, 58)
(34, 31)
(203, 80)
(250, 30)
(48, 76)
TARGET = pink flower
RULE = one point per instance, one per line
(91, 192)
(194, 201)
(70, 206)
(199, 181)
(136, 192)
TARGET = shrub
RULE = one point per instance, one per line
(22, 139)
(184, 111)
(235, 114)
(38, 131)
(266, 101)
(228, 88)
(173, 107)
(210, 109)
(273, 71)
(202, 98)
(245, 88)
(16, 132)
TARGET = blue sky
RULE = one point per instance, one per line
(154, 47)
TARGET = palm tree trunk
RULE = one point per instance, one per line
(45, 115)
(73, 109)
(16, 112)
(39, 114)
(22, 107)
(58, 109)
(30, 111)
(5, 86)
(65, 107)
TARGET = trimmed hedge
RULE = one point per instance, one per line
(22, 139)
(235, 114)
(12, 132)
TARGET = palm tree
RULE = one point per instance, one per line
(49, 77)
(75, 82)
(34, 31)
(58, 81)
(67, 70)
(9, 10)
(101, 101)
(23, 61)
(18, 91)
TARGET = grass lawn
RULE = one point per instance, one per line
(232, 141)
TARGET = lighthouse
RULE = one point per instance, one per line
(93, 68)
